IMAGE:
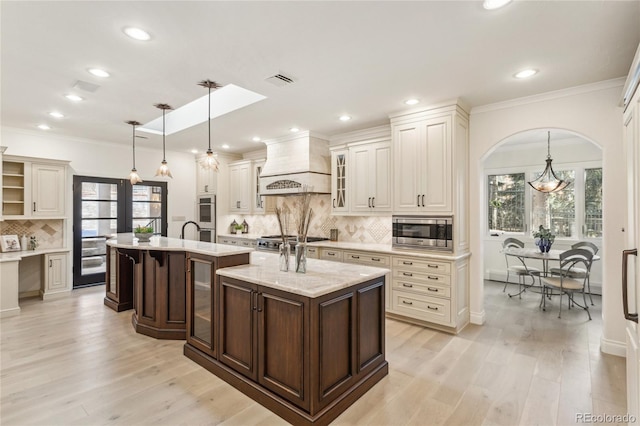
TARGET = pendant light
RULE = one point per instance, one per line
(133, 176)
(163, 170)
(209, 162)
(548, 181)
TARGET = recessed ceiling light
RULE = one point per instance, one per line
(294, 129)
(194, 151)
(495, 4)
(56, 114)
(345, 118)
(411, 101)
(256, 139)
(98, 72)
(526, 73)
(225, 146)
(137, 33)
(74, 98)
(43, 127)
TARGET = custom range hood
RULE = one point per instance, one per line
(295, 163)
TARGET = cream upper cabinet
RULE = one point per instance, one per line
(339, 168)
(240, 186)
(370, 178)
(260, 203)
(423, 180)
(48, 182)
(206, 179)
(33, 188)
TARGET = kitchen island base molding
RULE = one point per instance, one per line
(280, 406)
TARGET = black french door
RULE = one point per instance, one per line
(103, 207)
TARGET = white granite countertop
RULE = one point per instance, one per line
(388, 249)
(128, 241)
(322, 276)
(13, 256)
(247, 236)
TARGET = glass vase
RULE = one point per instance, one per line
(285, 252)
(301, 258)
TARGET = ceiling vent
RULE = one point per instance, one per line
(279, 80)
(86, 86)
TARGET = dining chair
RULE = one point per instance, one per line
(563, 281)
(578, 272)
(522, 271)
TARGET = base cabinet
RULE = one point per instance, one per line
(55, 274)
(306, 359)
(119, 278)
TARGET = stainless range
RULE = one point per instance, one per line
(272, 242)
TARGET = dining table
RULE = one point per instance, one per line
(536, 254)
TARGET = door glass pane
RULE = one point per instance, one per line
(99, 205)
(147, 207)
(202, 306)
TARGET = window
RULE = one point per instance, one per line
(506, 202)
(575, 212)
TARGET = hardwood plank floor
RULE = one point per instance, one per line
(73, 361)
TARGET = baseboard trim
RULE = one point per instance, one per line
(613, 347)
(477, 318)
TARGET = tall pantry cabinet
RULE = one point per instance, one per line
(431, 162)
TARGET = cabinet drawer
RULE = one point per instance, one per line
(437, 267)
(312, 252)
(329, 254)
(429, 289)
(421, 277)
(366, 259)
(422, 307)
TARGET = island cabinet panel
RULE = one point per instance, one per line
(119, 278)
(282, 344)
(160, 297)
(370, 322)
(203, 294)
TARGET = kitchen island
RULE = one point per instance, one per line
(151, 278)
(306, 346)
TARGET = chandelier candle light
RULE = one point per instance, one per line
(209, 162)
(163, 170)
(548, 181)
(133, 176)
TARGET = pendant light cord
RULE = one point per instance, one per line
(548, 145)
(164, 156)
(209, 118)
(134, 146)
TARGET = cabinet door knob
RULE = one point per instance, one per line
(432, 308)
(34, 206)
(407, 303)
(369, 202)
(50, 263)
(373, 202)
(432, 278)
(418, 201)
(333, 203)
(407, 263)
(407, 285)
(206, 188)
(422, 200)
(407, 274)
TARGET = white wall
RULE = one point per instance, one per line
(593, 113)
(91, 158)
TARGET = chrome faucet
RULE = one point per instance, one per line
(185, 224)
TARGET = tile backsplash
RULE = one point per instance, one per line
(361, 229)
(48, 233)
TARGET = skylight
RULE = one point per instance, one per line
(223, 101)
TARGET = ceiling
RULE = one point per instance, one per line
(357, 58)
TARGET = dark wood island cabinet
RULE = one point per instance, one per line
(152, 279)
(306, 346)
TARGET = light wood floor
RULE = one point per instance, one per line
(75, 362)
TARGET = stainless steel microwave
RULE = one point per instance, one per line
(423, 232)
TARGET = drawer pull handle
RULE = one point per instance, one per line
(407, 274)
(407, 263)
(407, 303)
(432, 308)
(407, 285)
(433, 278)
(433, 289)
(331, 254)
(432, 266)
(375, 259)
(355, 257)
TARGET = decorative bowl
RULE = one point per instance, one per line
(143, 237)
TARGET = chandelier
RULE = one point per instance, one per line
(548, 181)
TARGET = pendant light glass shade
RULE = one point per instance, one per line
(209, 162)
(133, 176)
(163, 170)
(548, 181)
